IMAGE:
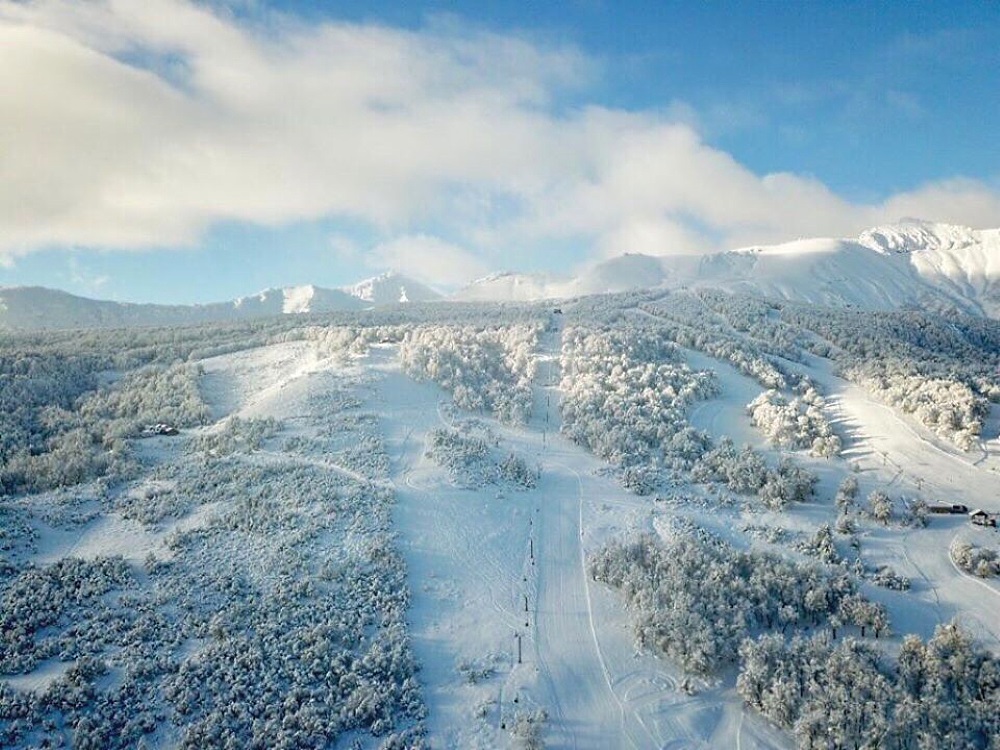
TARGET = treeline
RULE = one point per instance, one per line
(980, 561)
(626, 394)
(684, 319)
(473, 460)
(947, 406)
(702, 603)
(941, 370)
(70, 401)
(69, 440)
(796, 422)
(744, 471)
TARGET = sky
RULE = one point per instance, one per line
(180, 151)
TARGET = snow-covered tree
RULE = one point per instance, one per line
(880, 506)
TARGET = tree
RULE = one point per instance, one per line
(880, 506)
(847, 493)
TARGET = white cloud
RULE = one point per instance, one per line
(344, 248)
(957, 201)
(430, 260)
(360, 121)
(652, 236)
(135, 125)
(84, 279)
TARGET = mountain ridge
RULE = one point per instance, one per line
(911, 264)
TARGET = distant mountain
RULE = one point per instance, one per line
(38, 308)
(513, 287)
(629, 271)
(290, 300)
(910, 264)
(390, 289)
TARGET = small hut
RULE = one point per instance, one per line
(980, 517)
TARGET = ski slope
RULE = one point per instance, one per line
(907, 459)
(474, 555)
(893, 453)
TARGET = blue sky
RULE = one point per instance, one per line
(177, 151)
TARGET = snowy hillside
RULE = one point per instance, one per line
(912, 265)
(961, 262)
(677, 519)
(629, 271)
(37, 308)
(511, 287)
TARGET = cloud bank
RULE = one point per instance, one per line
(130, 126)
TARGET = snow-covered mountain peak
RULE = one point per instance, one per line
(366, 289)
(391, 288)
(914, 236)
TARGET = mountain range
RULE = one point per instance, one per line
(910, 264)
(38, 308)
(913, 264)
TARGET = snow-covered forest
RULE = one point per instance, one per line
(484, 369)
(625, 394)
(504, 526)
